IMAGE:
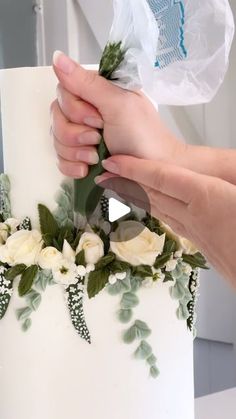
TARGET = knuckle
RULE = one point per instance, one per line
(159, 178)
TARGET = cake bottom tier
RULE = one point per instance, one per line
(49, 372)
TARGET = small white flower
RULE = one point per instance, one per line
(90, 268)
(171, 265)
(148, 282)
(66, 274)
(112, 279)
(67, 252)
(93, 247)
(121, 275)
(81, 270)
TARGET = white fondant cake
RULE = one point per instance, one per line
(49, 372)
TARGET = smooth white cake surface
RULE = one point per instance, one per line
(49, 372)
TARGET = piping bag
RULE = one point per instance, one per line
(176, 51)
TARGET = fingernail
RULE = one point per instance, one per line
(94, 122)
(89, 138)
(87, 157)
(110, 166)
(63, 63)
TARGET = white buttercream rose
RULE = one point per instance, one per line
(184, 244)
(93, 247)
(22, 247)
(49, 258)
(142, 249)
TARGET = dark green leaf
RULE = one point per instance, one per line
(162, 260)
(12, 273)
(170, 246)
(97, 281)
(106, 240)
(168, 277)
(105, 261)
(119, 266)
(142, 271)
(196, 261)
(48, 223)
(48, 240)
(76, 241)
(27, 280)
(80, 258)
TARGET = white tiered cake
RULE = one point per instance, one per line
(49, 372)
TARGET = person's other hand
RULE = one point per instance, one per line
(86, 103)
(199, 207)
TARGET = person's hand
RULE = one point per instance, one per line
(87, 103)
(198, 207)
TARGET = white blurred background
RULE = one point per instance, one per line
(29, 33)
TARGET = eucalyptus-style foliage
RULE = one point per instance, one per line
(5, 203)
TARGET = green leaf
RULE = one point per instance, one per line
(48, 223)
(75, 296)
(112, 57)
(143, 351)
(143, 331)
(120, 286)
(26, 325)
(152, 360)
(118, 266)
(13, 272)
(80, 258)
(170, 246)
(97, 281)
(162, 260)
(75, 243)
(168, 277)
(105, 261)
(23, 313)
(34, 299)
(27, 280)
(130, 335)
(142, 271)
(196, 261)
(106, 240)
(48, 239)
(129, 300)
(125, 315)
(154, 371)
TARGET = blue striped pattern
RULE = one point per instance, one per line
(170, 17)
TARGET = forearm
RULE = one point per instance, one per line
(210, 161)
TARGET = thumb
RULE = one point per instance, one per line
(86, 84)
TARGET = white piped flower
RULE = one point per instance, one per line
(50, 258)
(142, 249)
(22, 247)
(159, 275)
(66, 274)
(93, 247)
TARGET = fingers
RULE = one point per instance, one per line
(75, 109)
(87, 155)
(70, 134)
(88, 85)
(72, 169)
(170, 180)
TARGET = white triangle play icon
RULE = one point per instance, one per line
(117, 210)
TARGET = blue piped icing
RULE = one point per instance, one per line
(170, 17)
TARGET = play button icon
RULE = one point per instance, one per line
(117, 210)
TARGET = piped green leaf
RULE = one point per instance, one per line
(80, 258)
(154, 371)
(27, 280)
(13, 272)
(48, 223)
(129, 300)
(97, 281)
(125, 315)
(196, 261)
(143, 351)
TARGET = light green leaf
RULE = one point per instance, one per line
(152, 360)
(34, 299)
(177, 292)
(143, 331)
(23, 313)
(143, 351)
(130, 335)
(154, 371)
(129, 300)
(26, 325)
(182, 312)
(125, 315)
(27, 280)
